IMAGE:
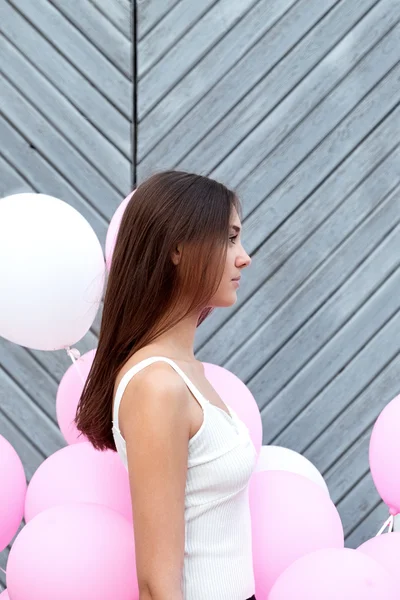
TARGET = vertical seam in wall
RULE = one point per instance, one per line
(134, 27)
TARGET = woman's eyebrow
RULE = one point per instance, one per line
(236, 228)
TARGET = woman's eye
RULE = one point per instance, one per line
(233, 239)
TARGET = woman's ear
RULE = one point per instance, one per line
(177, 255)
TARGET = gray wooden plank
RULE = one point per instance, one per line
(317, 231)
(30, 376)
(361, 78)
(28, 417)
(301, 183)
(330, 275)
(29, 454)
(258, 24)
(352, 358)
(356, 418)
(119, 12)
(283, 54)
(369, 527)
(349, 468)
(326, 322)
(321, 162)
(294, 87)
(80, 52)
(177, 22)
(66, 78)
(44, 178)
(59, 152)
(56, 109)
(100, 31)
(188, 51)
(284, 263)
(269, 383)
(151, 12)
(10, 181)
(332, 111)
(358, 504)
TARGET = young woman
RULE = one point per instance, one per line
(178, 255)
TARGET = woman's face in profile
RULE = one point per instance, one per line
(236, 260)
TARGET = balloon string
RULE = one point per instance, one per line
(388, 523)
(3, 571)
(74, 354)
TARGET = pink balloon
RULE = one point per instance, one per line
(291, 516)
(237, 395)
(4, 595)
(12, 492)
(74, 552)
(79, 473)
(385, 549)
(384, 450)
(113, 229)
(334, 574)
(68, 396)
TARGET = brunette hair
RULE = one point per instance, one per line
(146, 292)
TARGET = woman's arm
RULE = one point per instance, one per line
(156, 426)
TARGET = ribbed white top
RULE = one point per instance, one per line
(218, 547)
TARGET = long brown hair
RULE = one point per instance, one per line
(147, 293)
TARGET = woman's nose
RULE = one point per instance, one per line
(245, 260)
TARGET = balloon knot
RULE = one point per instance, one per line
(73, 353)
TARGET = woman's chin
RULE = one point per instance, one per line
(229, 300)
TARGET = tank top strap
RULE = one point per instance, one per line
(143, 364)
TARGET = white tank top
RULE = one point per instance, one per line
(218, 547)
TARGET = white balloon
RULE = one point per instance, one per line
(277, 458)
(52, 272)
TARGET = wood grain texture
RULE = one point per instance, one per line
(108, 80)
(43, 177)
(151, 13)
(189, 50)
(293, 87)
(369, 527)
(118, 12)
(306, 177)
(27, 120)
(11, 182)
(178, 104)
(166, 33)
(62, 116)
(286, 52)
(66, 78)
(334, 375)
(100, 31)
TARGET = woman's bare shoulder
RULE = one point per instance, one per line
(150, 370)
(157, 381)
